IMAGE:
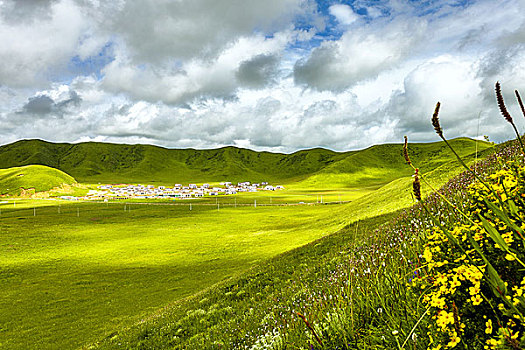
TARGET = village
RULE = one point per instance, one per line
(178, 191)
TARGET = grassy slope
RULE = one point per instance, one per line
(184, 325)
(106, 284)
(316, 168)
(39, 177)
(381, 164)
(238, 306)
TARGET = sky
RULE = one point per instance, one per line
(272, 75)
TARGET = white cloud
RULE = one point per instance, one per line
(343, 13)
(158, 30)
(264, 75)
(358, 55)
(195, 78)
(30, 52)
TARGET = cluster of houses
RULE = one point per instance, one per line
(121, 191)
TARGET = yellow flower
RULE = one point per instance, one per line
(444, 318)
(510, 257)
(509, 182)
(508, 237)
(454, 340)
(437, 302)
(491, 344)
(427, 254)
(518, 290)
(488, 324)
(474, 290)
(455, 283)
(442, 279)
(476, 299)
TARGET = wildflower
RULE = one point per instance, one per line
(427, 254)
(488, 324)
(414, 337)
(444, 318)
(474, 290)
(437, 302)
(476, 299)
(454, 340)
(510, 257)
(491, 344)
(455, 282)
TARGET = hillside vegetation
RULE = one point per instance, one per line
(38, 178)
(94, 162)
(115, 263)
(356, 289)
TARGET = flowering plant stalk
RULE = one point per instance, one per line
(473, 283)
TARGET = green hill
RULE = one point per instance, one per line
(38, 177)
(105, 162)
(351, 285)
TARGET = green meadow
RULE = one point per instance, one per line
(73, 273)
(71, 277)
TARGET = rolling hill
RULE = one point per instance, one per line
(38, 177)
(93, 162)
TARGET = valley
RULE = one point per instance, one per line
(72, 272)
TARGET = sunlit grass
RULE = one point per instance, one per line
(71, 276)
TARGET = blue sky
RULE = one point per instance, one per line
(278, 75)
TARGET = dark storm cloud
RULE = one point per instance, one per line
(39, 105)
(44, 105)
(259, 71)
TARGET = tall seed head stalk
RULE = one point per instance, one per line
(435, 121)
(405, 151)
(501, 104)
(416, 186)
(519, 101)
(506, 113)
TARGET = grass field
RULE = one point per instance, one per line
(72, 273)
(353, 286)
(67, 280)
